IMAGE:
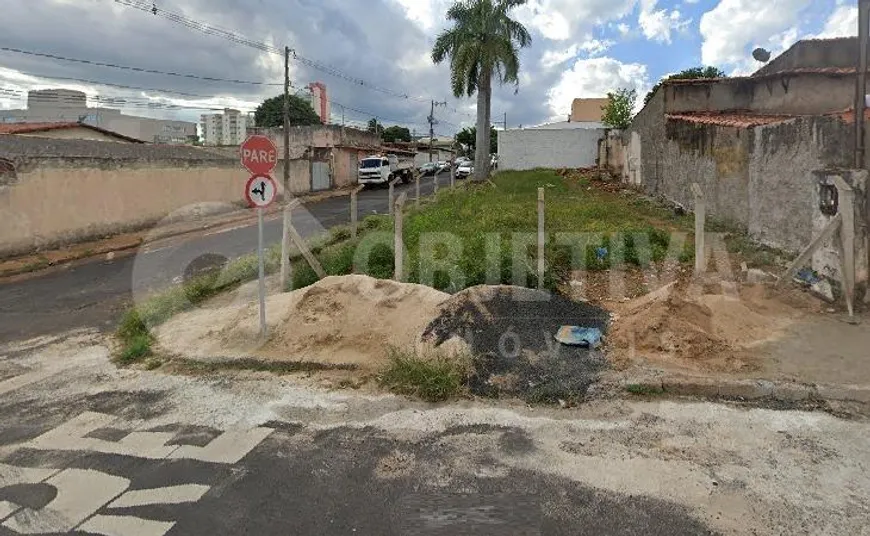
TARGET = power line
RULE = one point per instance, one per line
(120, 86)
(135, 69)
(230, 35)
(108, 101)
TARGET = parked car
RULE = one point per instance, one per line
(464, 170)
(493, 161)
(461, 160)
(429, 168)
(443, 166)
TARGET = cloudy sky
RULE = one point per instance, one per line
(581, 48)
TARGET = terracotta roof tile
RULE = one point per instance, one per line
(726, 119)
(848, 115)
(803, 70)
(27, 128)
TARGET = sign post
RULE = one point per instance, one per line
(260, 191)
(259, 156)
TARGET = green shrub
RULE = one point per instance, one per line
(432, 378)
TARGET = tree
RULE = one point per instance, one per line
(271, 112)
(467, 137)
(619, 108)
(396, 133)
(483, 42)
(375, 127)
(688, 74)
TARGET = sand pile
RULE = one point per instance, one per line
(339, 320)
(713, 330)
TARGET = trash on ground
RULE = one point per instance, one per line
(579, 336)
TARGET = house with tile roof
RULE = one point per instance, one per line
(66, 131)
(751, 142)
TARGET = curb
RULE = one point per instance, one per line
(785, 391)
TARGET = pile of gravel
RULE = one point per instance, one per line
(511, 332)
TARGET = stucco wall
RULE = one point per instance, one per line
(611, 153)
(78, 133)
(799, 94)
(529, 149)
(758, 178)
(841, 52)
(54, 201)
(645, 141)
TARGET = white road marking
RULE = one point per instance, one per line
(70, 436)
(229, 447)
(126, 526)
(11, 475)
(169, 495)
(6, 508)
(80, 493)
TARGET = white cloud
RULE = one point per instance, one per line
(552, 58)
(595, 47)
(658, 24)
(427, 14)
(733, 27)
(623, 28)
(843, 22)
(689, 2)
(595, 77)
(560, 20)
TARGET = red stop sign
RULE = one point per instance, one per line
(259, 154)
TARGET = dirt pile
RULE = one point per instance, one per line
(510, 330)
(338, 320)
(683, 325)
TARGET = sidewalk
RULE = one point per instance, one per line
(124, 242)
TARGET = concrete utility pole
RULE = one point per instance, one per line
(285, 233)
(861, 89)
(432, 122)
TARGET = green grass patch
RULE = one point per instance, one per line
(644, 390)
(433, 378)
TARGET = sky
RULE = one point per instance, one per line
(375, 55)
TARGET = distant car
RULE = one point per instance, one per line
(443, 166)
(493, 161)
(462, 160)
(430, 168)
(464, 170)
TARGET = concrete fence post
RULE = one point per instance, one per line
(398, 245)
(541, 238)
(435, 183)
(700, 222)
(354, 211)
(392, 189)
(452, 176)
(417, 191)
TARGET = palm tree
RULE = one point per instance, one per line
(483, 41)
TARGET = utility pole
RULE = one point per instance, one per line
(432, 122)
(861, 86)
(285, 228)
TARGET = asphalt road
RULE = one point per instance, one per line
(87, 448)
(93, 293)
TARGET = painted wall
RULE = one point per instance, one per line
(528, 149)
(51, 201)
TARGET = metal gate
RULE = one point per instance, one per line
(320, 176)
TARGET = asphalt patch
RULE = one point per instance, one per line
(511, 332)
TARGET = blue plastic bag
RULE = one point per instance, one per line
(579, 336)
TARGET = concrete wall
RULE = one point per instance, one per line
(758, 178)
(529, 149)
(814, 54)
(611, 153)
(49, 200)
(798, 94)
(589, 109)
(645, 139)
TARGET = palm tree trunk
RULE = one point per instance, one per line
(488, 130)
(481, 152)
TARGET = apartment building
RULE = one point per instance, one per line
(227, 128)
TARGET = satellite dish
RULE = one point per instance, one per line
(761, 54)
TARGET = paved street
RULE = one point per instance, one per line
(92, 294)
(90, 448)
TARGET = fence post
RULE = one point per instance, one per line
(435, 183)
(417, 190)
(354, 212)
(390, 200)
(452, 176)
(398, 244)
(700, 220)
(541, 238)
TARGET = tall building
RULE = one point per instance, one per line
(228, 128)
(66, 105)
(320, 100)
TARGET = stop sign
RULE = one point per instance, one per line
(259, 154)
